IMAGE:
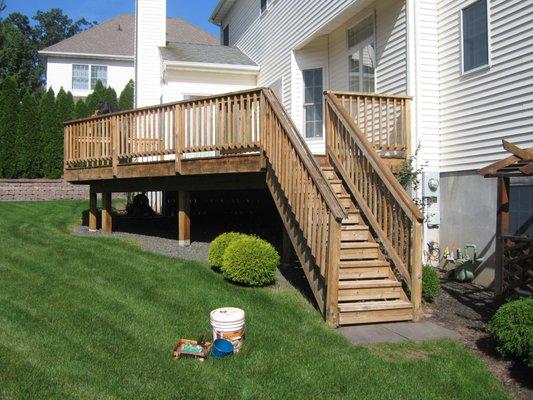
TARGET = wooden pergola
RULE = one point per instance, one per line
(514, 254)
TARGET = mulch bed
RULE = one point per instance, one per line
(466, 308)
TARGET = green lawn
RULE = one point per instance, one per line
(96, 318)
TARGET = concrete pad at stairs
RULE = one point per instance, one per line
(396, 332)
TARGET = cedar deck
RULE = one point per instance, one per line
(355, 231)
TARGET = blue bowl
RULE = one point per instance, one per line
(221, 348)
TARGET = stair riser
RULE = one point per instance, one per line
(346, 202)
(381, 293)
(355, 236)
(338, 188)
(371, 316)
(359, 254)
(330, 174)
(364, 273)
(352, 219)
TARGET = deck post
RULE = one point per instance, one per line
(502, 229)
(416, 270)
(184, 219)
(107, 221)
(332, 272)
(93, 218)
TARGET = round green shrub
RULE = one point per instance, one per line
(512, 327)
(250, 261)
(430, 284)
(219, 245)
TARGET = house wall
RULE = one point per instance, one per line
(275, 40)
(59, 73)
(478, 109)
(179, 83)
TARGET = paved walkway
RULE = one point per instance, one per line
(396, 332)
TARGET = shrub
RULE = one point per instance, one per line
(430, 284)
(512, 328)
(250, 261)
(219, 245)
(125, 101)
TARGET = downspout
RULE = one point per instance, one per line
(135, 55)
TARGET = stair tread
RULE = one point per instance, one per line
(368, 283)
(364, 264)
(374, 305)
(358, 245)
(354, 227)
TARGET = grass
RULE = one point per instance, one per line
(96, 318)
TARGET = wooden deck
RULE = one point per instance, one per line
(353, 228)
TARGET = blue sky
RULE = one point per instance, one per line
(194, 11)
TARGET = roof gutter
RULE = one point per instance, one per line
(85, 55)
(215, 18)
(211, 67)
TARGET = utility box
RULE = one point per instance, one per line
(431, 197)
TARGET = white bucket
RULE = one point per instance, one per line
(228, 323)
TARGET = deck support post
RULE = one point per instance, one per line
(184, 219)
(93, 218)
(416, 270)
(107, 221)
(332, 273)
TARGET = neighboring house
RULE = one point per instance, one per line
(106, 52)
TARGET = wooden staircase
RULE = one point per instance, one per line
(354, 229)
(368, 288)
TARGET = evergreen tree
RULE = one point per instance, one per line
(28, 136)
(125, 101)
(81, 110)
(49, 126)
(111, 98)
(64, 106)
(96, 97)
(9, 106)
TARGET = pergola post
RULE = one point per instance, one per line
(184, 219)
(107, 221)
(502, 229)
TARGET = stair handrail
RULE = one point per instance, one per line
(306, 156)
(388, 180)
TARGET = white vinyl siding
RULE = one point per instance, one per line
(477, 110)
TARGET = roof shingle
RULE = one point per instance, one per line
(116, 37)
(205, 53)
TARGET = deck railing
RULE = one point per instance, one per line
(246, 121)
(386, 205)
(384, 119)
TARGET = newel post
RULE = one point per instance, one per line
(416, 269)
(332, 272)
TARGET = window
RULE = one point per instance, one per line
(225, 36)
(475, 38)
(80, 77)
(98, 73)
(264, 4)
(520, 206)
(313, 102)
(362, 56)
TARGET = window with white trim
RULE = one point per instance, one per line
(313, 112)
(98, 73)
(80, 77)
(362, 56)
(475, 35)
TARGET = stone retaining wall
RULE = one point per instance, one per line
(40, 189)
